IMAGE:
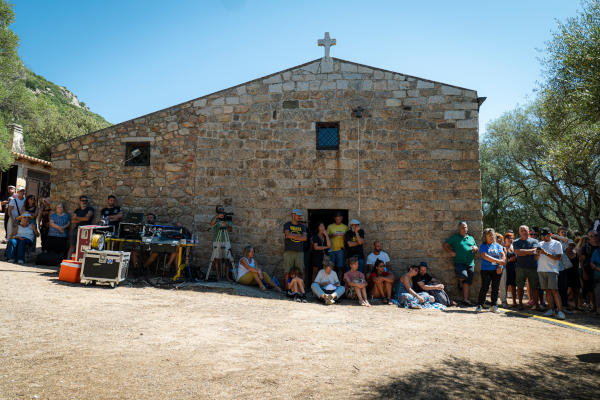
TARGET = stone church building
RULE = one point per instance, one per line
(397, 152)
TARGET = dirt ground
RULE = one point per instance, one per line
(62, 341)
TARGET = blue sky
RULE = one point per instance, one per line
(128, 58)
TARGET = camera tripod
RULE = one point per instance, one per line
(219, 248)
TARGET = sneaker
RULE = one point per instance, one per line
(504, 305)
(297, 298)
(328, 299)
(21, 262)
(467, 303)
(11, 260)
(478, 309)
(549, 313)
(560, 315)
(494, 309)
(303, 298)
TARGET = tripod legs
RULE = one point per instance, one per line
(221, 249)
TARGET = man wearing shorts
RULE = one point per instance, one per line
(549, 255)
(462, 247)
(295, 236)
(525, 249)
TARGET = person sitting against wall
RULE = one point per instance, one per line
(172, 258)
(406, 295)
(248, 272)
(355, 282)
(381, 282)
(21, 237)
(378, 254)
(295, 285)
(326, 285)
(58, 231)
(424, 282)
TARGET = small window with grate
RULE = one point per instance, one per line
(328, 135)
(137, 154)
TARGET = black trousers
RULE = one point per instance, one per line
(488, 277)
(563, 285)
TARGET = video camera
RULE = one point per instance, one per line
(226, 216)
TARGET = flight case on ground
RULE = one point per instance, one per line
(105, 266)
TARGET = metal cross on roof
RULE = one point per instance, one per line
(326, 42)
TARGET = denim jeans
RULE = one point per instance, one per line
(15, 249)
(316, 289)
(337, 257)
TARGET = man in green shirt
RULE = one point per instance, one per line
(462, 247)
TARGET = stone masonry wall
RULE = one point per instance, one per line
(252, 148)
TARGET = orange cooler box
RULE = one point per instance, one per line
(70, 271)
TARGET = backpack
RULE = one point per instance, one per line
(440, 297)
(50, 259)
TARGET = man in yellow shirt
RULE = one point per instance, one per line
(336, 232)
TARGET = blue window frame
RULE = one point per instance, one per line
(328, 135)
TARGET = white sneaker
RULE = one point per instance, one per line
(560, 315)
(21, 262)
(11, 260)
(494, 309)
(549, 313)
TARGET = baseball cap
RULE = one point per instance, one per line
(297, 211)
(354, 222)
(20, 188)
(545, 231)
(423, 264)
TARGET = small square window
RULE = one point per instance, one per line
(137, 154)
(328, 135)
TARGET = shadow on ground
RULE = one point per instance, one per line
(457, 378)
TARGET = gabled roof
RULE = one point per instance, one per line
(266, 77)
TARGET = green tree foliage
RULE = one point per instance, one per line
(9, 78)
(521, 185)
(542, 162)
(45, 110)
(572, 66)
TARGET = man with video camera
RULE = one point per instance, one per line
(221, 226)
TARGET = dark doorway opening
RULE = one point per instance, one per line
(325, 216)
(8, 177)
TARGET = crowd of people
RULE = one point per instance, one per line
(559, 272)
(338, 268)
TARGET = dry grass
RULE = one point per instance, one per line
(59, 341)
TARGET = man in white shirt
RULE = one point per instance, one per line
(549, 254)
(327, 285)
(14, 210)
(378, 253)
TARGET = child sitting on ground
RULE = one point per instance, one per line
(295, 285)
(356, 280)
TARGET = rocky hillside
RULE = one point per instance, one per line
(58, 95)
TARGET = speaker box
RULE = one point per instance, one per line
(105, 266)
